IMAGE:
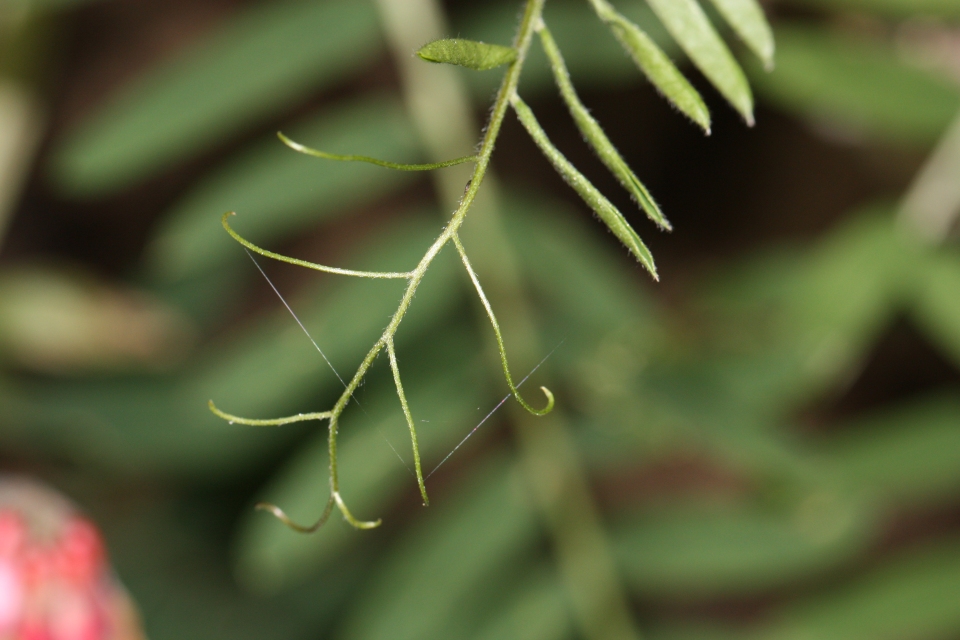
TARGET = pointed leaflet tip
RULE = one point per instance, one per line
(747, 19)
(604, 209)
(655, 65)
(467, 53)
(690, 27)
(594, 135)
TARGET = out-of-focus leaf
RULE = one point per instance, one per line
(259, 62)
(161, 425)
(444, 397)
(537, 610)
(820, 313)
(20, 131)
(859, 85)
(686, 21)
(910, 455)
(710, 552)
(935, 303)
(845, 294)
(894, 8)
(595, 58)
(914, 596)
(931, 206)
(64, 322)
(276, 191)
(432, 583)
(747, 19)
(167, 556)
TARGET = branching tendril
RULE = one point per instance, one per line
(706, 50)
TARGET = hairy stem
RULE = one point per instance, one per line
(547, 449)
(508, 87)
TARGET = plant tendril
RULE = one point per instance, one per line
(496, 331)
(531, 16)
(272, 422)
(392, 352)
(296, 146)
(279, 514)
(405, 275)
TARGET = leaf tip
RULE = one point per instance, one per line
(550, 401)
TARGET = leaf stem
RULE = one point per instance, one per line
(508, 87)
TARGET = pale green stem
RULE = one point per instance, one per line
(392, 352)
(278, 513)
(496, 330)
(271, 422)
(547, 447)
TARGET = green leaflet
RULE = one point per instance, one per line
(468, 53)
(610, 215)
(594, 134)
(595, 59)
(860, 85)
(686, 21)
(913, 595)
(909, 455)
(702, 551)
(655, 64)
(747, 19)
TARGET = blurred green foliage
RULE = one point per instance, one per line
(802, 515)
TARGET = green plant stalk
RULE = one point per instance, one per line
(548, 455)
(531, 18)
